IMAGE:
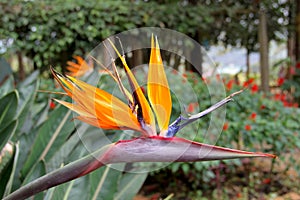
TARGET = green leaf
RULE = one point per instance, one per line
(6, 166)
(35, 172)
(7, 133)
(7, 86)
(62, 155)
(60, 192)
(51, 135)
(104, 182)
(129, 185)
(26, 99)
(8, 108)
(31, 79)
(5, 69)
(13, 171)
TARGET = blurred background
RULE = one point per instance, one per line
(254, 44)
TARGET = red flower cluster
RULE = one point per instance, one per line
(248, 83)
(290, 104)
(248, 127)
(284, 99)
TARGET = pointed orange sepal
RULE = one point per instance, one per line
(158, 88)
(97, 107)
(139, 96)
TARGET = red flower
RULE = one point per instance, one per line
(239, 195)
(266, 181)
(190, 108)
(174, 71)
(229, 84)
(277, 97)
(283, 97)
(225, 126)
(253, 116)
(52, 105)
(254, 88)
(249, 82)
(280, 81)
(292, 71)
(248, 127)
(262, 107)
(290, 104)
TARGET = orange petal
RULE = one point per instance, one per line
(158, 88)
(139, 96)
(78, 69)
(94, 103)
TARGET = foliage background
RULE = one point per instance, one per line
(36, 34)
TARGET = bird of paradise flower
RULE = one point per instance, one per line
(101, 109)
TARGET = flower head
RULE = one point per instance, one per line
(78, 69)
(101, 109)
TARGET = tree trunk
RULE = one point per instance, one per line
(297, 47)
(197, 59)
(137, 58)
(248, 64)
(21, 66)
(264, 51)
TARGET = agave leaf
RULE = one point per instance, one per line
(135, 150)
